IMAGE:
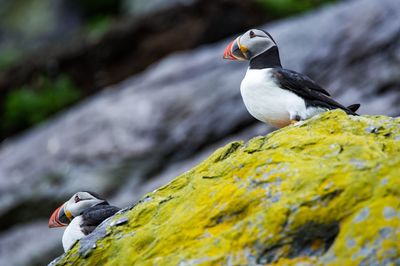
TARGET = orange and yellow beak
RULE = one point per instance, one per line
(235, 51)
(59, 217)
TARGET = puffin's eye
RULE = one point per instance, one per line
(252, 34)
(77, 199)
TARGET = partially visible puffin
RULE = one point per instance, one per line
(272, 94)
(82, 213)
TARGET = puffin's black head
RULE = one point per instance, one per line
(75, 206)
(249, 45)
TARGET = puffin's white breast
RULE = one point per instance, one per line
(72, 233)
(266, 101)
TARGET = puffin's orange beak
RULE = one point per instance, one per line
(57, 217)
(234, 51)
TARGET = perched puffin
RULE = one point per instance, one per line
(272, 94)
(82, 213)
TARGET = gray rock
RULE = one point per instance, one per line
(29, 244)
(137, 135)
(140, 7)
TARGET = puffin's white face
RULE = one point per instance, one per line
(80, 202)
(75, 206)
(247, 46)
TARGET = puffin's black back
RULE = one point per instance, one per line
(306, 88)
(93, 216)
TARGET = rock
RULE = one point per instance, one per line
(323, 192)
(139, 134)
(34, 243)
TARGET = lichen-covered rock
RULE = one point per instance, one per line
(323, 192)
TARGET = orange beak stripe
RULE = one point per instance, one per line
(235, 51)
(228, 52)
(54, 220)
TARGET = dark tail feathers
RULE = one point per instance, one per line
(353, 107)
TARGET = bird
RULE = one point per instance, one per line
(81, 214)
(271, 93)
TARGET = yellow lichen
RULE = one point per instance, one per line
(324, 192)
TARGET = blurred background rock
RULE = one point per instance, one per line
(121, 96)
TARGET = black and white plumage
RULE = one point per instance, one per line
(272, 94)
(82, 213)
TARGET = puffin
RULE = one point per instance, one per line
(272, 94)
(81, 214)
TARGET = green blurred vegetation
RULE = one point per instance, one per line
(27, 18)
(9, 56)
(30, 105)
(98, 15)
(97, 26)
(284, 8)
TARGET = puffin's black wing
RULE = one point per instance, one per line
(306, 88)
(93, 216)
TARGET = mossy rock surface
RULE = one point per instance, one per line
(323, 192)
